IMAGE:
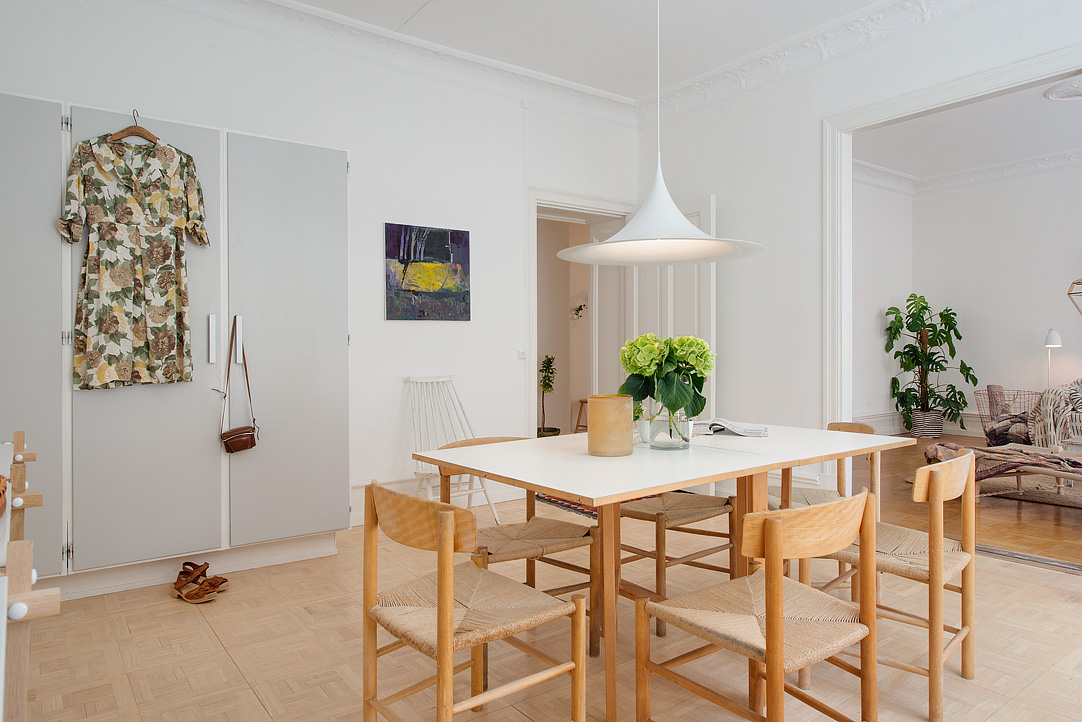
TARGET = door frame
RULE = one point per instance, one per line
(838, 133)
(562, 200)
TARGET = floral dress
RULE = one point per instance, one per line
(131, 312)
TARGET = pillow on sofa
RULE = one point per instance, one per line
(1076, 398)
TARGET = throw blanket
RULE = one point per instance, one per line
(996, 462)
(1055, 418)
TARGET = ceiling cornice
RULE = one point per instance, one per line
(1003, 171)
(803, 53)
(287, 19)
(885, 178)
(892, 180)
(294, 20)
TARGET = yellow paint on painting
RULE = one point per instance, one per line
(427, 276)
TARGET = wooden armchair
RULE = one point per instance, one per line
(458, 607)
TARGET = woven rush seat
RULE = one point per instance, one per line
(732, 614)
(537, 537)
(905, 552)
(800, 496)
(678, 508)
(488, 607)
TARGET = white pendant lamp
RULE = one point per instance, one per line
(658, 233)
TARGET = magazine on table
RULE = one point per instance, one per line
(719, 425)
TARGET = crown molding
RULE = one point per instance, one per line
(1002, 171)
(885, 178)
(294, 21)
(794, 56)
(892, 180)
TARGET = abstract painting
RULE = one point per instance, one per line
(428, 273)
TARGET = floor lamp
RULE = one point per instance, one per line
(1051, 340)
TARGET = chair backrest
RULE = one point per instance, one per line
(438, 416)
(853, 427)
(951, 476)
(415, 522)
(809, 531)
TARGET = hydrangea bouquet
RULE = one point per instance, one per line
(671, 371)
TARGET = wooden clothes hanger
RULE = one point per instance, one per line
(135, 129)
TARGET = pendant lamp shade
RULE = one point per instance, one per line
(659, 234)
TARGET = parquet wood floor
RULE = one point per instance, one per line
(284, 643)
(1019, 526)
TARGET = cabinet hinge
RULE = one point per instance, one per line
(65, 122)
(347, 339)
(67, 338)
(347, 166)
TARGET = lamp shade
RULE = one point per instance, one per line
(1052, 339)
(659, 234)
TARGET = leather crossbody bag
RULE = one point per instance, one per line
(241, 437)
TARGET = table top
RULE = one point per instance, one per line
(560, 465)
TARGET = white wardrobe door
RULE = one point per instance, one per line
(147, 479)
(31, 296)
(288, 279)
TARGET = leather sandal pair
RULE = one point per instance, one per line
(194, 586)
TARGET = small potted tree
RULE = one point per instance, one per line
(928, 350)
(548, 375)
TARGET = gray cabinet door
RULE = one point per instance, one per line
(287, 279)
(32, 373)
(147, 460)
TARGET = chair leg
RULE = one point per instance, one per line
(642, 656)
(369, 671)
(488, 498)
(423, 485)
(578, 656)
(661, 567)
(595, 593)
(803, 676)
(935, 652)
(480, 558)
(477, 673)
(969, 618)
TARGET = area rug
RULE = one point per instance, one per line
(1035, 487)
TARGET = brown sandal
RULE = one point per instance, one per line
(205, 592)
(197, 574)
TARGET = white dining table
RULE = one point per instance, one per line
(560, 466)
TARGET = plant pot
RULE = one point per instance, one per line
(547, 431)
(927, 424)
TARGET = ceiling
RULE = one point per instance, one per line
(604, 45)
(997, 132)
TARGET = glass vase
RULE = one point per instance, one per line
(670, 431)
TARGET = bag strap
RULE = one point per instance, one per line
(247, 384)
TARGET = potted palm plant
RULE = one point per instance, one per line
(548, 375)
(928, 351)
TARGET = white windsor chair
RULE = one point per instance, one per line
(439, 419)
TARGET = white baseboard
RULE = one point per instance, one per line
(890, 424)
(163, 571)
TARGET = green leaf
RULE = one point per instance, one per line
(698, 403)
(673, 392)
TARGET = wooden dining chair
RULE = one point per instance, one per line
(673, 511)
(771, 619)
(458, 607)
(535, 540)
(934, 560)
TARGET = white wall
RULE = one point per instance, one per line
(882, 277)
(1003, 255)
(760, 153)
(422, 151)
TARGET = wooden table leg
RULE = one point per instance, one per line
(750, 496)
(445, 489)
(608, 518)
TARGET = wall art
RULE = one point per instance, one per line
(428, 273)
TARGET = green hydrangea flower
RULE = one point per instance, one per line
(643, 355)
(693, 352)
